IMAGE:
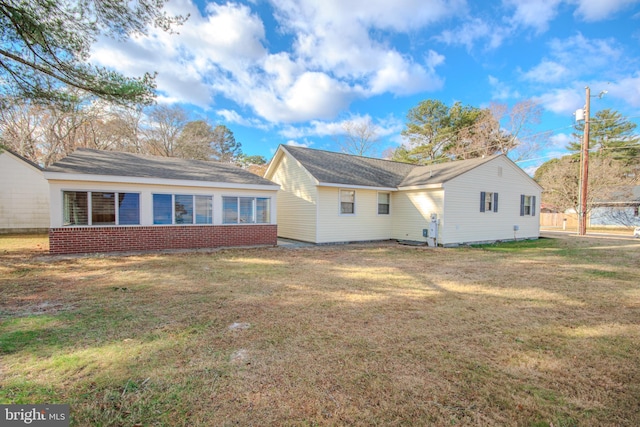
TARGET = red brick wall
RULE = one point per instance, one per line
(70, 240)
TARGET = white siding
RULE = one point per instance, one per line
(24, 196)
(413, 211)
(364, 225)
(146, 193)
(297, 200)
(463, 222)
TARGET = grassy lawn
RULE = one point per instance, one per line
(528, 333)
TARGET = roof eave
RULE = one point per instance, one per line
(363, 187)
(422, 187)
(117, 179)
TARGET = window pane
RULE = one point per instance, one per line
(103, 208)
(246, 210)
(204, 210)
(183, 209)
(347, 201)
(347, 196)
(383, 203)
(76, 210)
(162, 208)
(488, 202)
(263, 211)
(527, 205)
(128, 208)
(229, 210)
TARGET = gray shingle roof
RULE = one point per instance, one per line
(113, 163)
(339, 168)
(442, 172)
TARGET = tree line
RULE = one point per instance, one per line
(45, 133)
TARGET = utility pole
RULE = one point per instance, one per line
(582, 220)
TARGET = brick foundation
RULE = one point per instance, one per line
(69, 240)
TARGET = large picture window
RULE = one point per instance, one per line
(246, 210)
(100, 208)
(347, 202)
(182, 209)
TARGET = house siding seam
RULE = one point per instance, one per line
(70, 240)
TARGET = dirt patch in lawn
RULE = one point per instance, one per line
(526, 333)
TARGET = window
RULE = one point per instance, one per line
(128, 208)
(103, 208)
(100, 208)
(488, 202)
(347, 201)
(162, 208)
(527, 205)
(246, 210)
(383, 203)
(76, 208)
(204, 210)
(182, 209)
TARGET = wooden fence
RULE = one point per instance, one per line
(557, 219)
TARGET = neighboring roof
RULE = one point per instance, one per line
(339, 168)
(86, 161)
(24, 159)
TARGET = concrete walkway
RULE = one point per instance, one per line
(293, 244)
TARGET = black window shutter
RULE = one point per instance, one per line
(482, 197)
(495, 202)
(533, 205)
(522, 205)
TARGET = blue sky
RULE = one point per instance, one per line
(291, 72)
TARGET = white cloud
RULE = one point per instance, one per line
(560, 140)
(561, 101)
(575, 57)
(341, 44)
(582, 54)
(336, 56)
(298, 144)
(231, 116)
(318, 128)
(627, 89)
(534, 13)
(501, 90)
(547, 72)
(470, 32)
(598, 10)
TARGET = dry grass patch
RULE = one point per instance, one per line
(528, 333)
